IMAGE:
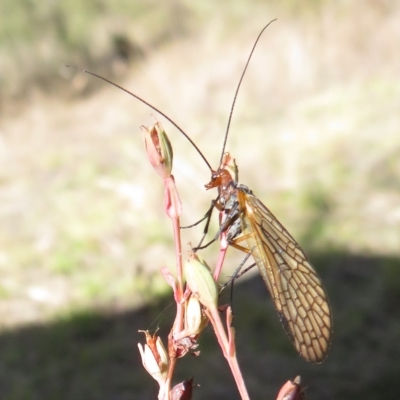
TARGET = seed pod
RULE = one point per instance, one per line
(201, 282)
(159, 149)
(154, 357)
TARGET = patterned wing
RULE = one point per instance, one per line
(295, 287)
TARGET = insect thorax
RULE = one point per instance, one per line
(243, 188)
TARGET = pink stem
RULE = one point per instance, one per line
(226, 347)
(221, 257)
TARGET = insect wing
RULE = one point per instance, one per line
(296, 289)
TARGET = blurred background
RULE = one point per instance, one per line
(315, 133)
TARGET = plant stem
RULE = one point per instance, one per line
(227, 347)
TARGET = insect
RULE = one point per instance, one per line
(295, 287)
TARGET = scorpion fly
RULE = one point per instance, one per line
(295, 287)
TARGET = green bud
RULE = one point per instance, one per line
(195, 320)
(201, 282)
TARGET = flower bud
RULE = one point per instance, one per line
(159, 149)
(183, 390)
(201, 282)
(154, 357)
(195, 320)
(291, 390)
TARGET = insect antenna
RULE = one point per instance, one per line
(149, 105)
(238, 87)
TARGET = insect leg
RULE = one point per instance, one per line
(232, 280)
(231, 222)
(207, 216)
(200, 247)
(237, 273)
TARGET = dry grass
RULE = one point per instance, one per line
(316, 135)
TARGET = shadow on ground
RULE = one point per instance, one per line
(92, 356)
